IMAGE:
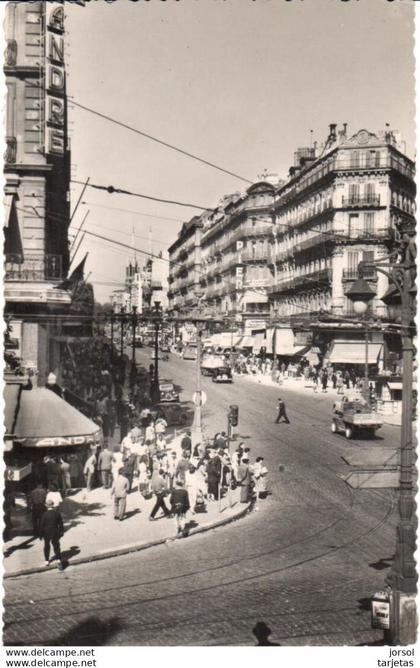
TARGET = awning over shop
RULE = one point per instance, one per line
(224, 340)
(12, 238)
(258, 341)
(354, 352)
(44, 420)
(10, 396)
(245, 342)
(397, 385)
(285, 343)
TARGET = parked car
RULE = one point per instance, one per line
(167, 391)
(138, 341)
(174, 414)
(351, 417)
(222, 375)
(164, 348)
(189, 353)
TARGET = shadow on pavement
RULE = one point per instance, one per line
(91, 631)
(262, 632)
(26, 545)
(382, 564)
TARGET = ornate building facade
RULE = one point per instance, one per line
(37, 175)
(345, 206)
(285, 254)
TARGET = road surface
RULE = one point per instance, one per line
(305, 563)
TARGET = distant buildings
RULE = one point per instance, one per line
(285, 254)
(144, 285)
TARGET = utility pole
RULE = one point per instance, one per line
(122, 313)
(133, 342)
(197, 428)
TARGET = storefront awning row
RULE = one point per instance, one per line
(354, 352)
(39, 418)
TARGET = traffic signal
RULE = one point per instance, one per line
(233, 415)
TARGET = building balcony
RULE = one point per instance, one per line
(305, 216)
(34, 268)
(362, 201)
(353, 274)
(368, 234)
(302, 281)
(254, 256)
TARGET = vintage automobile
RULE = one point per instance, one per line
(222, 375)
(138, 341)
(167, 391)
(189, 353)
(210, 363)
(164, 348)
(353, 417)
(174, 414)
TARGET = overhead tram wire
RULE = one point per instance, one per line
(138, 213)
(121, 191)
(158, 141)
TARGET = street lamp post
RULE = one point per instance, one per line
(155, 386)
(122, 314)
(112, 338)
(197, 427)
(402, 579)
(133, 342)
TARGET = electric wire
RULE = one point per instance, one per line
(72, 101)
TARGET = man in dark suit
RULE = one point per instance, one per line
(180, 504)
(51, 530)
(282, 411)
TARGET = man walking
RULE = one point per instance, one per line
(37, 496)
(180, 505)
(281, 407)
(119, 492)
(158, 485)
(105, 460)
(51, 530)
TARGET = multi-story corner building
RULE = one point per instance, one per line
(185, 267)
(343, 206)
(236, 249)
(37, 175)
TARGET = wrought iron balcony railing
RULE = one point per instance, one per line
(33, 268)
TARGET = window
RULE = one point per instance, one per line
(355, 162)
(354, 191)
(374, 159)
(370, 192)
(369, 222)
(353, 224)
(352, 261)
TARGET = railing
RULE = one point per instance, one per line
(249, 255)
(368, 233)
(362, 200)
(33, 268)
(353, 274)
(301, 281)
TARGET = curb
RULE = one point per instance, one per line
(135, 547)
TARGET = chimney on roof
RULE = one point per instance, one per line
(333, 133)
(344, 129)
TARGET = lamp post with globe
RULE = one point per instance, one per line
(400, 269)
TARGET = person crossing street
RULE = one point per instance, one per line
(281, 407)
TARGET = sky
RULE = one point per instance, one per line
(236, 82)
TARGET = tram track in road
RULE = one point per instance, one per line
(203, 572)
(287, 562)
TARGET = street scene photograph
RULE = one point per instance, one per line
(209, 305)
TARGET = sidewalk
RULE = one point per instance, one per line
(298, 385)
(92, 533)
